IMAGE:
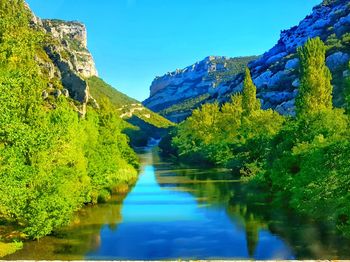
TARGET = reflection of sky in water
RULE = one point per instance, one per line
(165, 224)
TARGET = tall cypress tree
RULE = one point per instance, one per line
(315, 91)
(249, 101)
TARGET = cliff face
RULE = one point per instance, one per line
(275, 73)
(66, 60)
(73, 38)
(194, 81)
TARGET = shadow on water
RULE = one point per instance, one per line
(175, 212)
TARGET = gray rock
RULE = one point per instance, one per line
(341, 26)
(337, 60)
(65, 92)
(277, 97)
(292, 64)
(263, 79)
(277, 78)
(82, 110)
(287, 108)
(275, 58)
(296, 83)
(76, 85)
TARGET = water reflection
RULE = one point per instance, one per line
(174, 213)
(171, 214)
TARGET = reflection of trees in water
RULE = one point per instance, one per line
(253, 211)
(216, 187)
(74, 241)
(308, 239)
(251, 223)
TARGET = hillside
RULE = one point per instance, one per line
(275, 73)
(144, 124)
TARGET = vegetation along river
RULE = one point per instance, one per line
(174, 212)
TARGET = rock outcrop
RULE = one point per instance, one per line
(275, 73)
(73, 39)
(201, 78)
(66, 60)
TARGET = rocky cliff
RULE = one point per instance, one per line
(66, 60)
(195, 81)
(73, 38)
(275, 73)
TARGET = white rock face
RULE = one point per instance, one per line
(193, 73)
(186, 83)
(73, 37)
(72, 30)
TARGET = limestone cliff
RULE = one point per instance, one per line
(275, 73)
(73, 38)
(66, 60)
(194, 81)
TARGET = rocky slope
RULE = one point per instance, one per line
(194, 81)
(275, 73)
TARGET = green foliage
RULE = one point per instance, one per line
(347, 91)
(230, 136)
(315, 91)
(309, 169)
(249, 101)
(9, 248)
(124, 104)
(101, 90)
(184, 106)
(143, 123)
(302, 161)
(51, 161)
(333, 42)
(234, 66)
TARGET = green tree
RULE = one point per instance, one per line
(315, 91)
(249, 101)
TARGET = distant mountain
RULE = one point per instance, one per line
(275, 73)
(174, 94)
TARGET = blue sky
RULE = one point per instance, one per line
(133, 41)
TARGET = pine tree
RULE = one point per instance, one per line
(315, 91)
(249, 101)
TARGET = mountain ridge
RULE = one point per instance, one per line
(194, 81)
(275, 73)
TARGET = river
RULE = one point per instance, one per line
(184, 213)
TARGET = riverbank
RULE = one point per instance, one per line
(189, 213)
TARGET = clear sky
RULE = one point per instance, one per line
(133, 41)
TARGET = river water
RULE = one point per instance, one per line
(174, 213)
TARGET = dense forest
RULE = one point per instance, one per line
(302, 161)
(52, 161)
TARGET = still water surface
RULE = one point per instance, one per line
(174, 213)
